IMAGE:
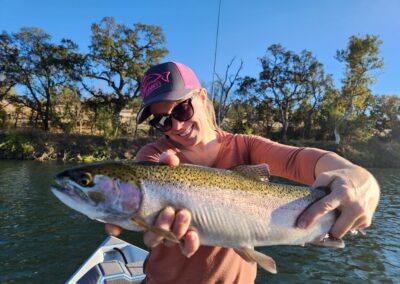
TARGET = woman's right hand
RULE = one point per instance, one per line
(176, 221)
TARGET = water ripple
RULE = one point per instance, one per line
(46, 241)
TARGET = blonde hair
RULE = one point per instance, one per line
(210, 110)
(211, 118)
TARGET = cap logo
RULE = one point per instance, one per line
(153, 81)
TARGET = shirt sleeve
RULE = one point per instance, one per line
(286, 161)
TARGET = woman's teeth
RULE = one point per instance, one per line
(186, 132)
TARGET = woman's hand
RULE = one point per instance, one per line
(354, 192)
(177, 222)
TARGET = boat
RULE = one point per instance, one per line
(114, 261)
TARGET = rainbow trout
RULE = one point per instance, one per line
(235, 208)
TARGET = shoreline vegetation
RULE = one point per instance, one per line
(45, 146)
(68, 93)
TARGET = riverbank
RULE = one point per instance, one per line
(42, 146)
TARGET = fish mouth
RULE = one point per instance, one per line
(71, 194)
(71, 189)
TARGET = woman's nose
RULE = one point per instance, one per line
(176, 124)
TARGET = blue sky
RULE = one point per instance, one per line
(247, 28)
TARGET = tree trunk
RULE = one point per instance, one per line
(285, 122)
(307, 126)
(336, 132)
(116, 121)
(339, 122)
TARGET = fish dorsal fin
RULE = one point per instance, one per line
(251, 255)
(158, 231)
(258, 172)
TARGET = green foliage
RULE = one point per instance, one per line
(372, 153)
(386, 115)
(119, 56)
(104, 121)
(67, 112)
(362, 59)
(248, 130)
(3, 117)
(98, 153)
(291, 95)
(287, 79)
(16, 147)
(39, 68)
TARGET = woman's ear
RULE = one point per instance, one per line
(203, 94)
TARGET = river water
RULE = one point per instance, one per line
(43, 241)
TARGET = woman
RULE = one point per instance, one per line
(179, 107)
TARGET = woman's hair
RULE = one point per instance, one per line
(210, 111)
(211, 115)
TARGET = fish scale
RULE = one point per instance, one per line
(230, 208)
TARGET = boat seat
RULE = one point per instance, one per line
(114, 272)
(135, 268)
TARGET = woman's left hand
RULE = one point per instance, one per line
(354, 192)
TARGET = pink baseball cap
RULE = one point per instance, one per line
(170, 81)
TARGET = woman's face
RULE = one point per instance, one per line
(186, 133)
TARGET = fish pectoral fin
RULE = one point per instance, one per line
(261, 259)
(158, 231)
(329, 241)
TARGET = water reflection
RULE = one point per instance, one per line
(43, 240)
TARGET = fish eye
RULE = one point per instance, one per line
(85, 179)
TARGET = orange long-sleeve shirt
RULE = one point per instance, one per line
(216, 264)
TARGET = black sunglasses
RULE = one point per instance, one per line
(182, 112)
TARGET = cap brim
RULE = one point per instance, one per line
(144, 111)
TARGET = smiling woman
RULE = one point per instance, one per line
(183, 111)
(191, 137)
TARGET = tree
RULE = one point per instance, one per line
(225, 85)
(329, 110)
(119, 56)
(6, 87)
(39, 68)
(361, 58)
(8, 55)
(68, 112)
(284, 78)
(386, 114)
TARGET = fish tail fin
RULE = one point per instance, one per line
(261, 259)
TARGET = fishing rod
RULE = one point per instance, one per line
(215, 52)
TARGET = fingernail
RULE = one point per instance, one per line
(182, 217)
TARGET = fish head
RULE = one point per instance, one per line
(107, 192)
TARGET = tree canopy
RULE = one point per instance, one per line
(119, 55)
(39, 68)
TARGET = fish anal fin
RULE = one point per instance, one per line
(362, 232)
(261, 259)
(159, 231)
(359, 231)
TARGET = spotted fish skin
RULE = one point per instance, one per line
(229, 208)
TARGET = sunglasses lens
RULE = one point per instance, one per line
(163, 122)
(183, 111)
